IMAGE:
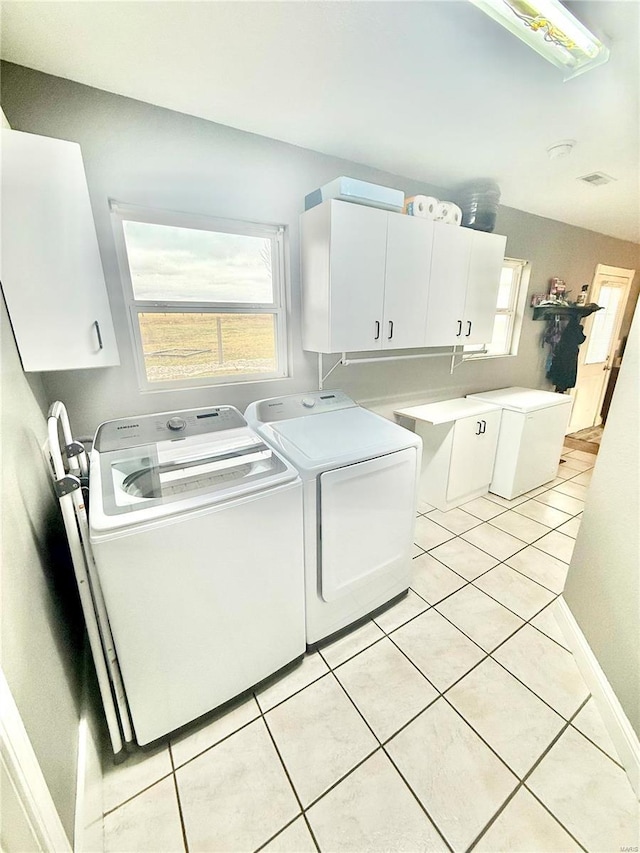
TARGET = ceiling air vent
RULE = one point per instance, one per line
(597, 179)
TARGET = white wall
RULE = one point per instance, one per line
(41, 634)
(603, 586)
(145, 155)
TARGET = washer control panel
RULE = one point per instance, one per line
(167, 426)
(298, 406)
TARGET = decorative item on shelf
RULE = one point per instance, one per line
(479, 201)
(581, 298)
(558, 290)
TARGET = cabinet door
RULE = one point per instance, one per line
(51, 271)
(485, 266)
(473, 454)
(409, 245)
(357, 265)
(448, 284)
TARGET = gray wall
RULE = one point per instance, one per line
(145, 155)
(603, 586)
(41, 638)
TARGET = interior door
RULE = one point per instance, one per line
(610, 289)
(366, 521)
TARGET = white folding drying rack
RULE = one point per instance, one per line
(68, 484)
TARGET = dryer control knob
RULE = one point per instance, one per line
(176, 424)
(308, 402)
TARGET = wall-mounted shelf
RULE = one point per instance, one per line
(544, 312)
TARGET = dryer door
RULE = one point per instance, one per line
(367, 513)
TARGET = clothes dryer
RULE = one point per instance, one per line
(360, 474)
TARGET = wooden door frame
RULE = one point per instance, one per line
(618, 272)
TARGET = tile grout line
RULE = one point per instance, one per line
(289, 779)
(504, 559)
(592, 742)
(490, 655)
(137, 794)
(177, 789)
(522, 784)
(217, 743)
(417, 798)
(381, 746)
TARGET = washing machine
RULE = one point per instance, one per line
(196, 529)
(360, 474)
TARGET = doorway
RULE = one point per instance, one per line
(601, 350)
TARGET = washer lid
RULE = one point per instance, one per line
(523, 399)
(335, 438)
(131, 485)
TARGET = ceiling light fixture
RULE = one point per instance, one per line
(561, 149)
(551, 30)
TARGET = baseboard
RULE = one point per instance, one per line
(616, 721)
(88, 832)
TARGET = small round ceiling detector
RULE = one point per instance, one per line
(561, 149)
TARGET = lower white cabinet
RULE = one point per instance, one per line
(532, 433)
(459, 441)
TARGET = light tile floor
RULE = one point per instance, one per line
(455, 720)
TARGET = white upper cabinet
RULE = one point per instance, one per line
(373, 279)
(406, 290)
(365, 275)
(463, 288)
(51, 272)
(448, 285)
(483, 282)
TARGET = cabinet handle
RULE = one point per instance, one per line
(459, 329)
(468, 328)
(390, 330)
(484, 427)
(479, 427)
(97, 328)
(377, 337)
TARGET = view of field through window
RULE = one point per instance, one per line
(197, 345)
(182, 266)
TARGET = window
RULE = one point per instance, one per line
(512, 294)
(205, 298)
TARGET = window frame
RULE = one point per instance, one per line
(515, 311)
(277, 308)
